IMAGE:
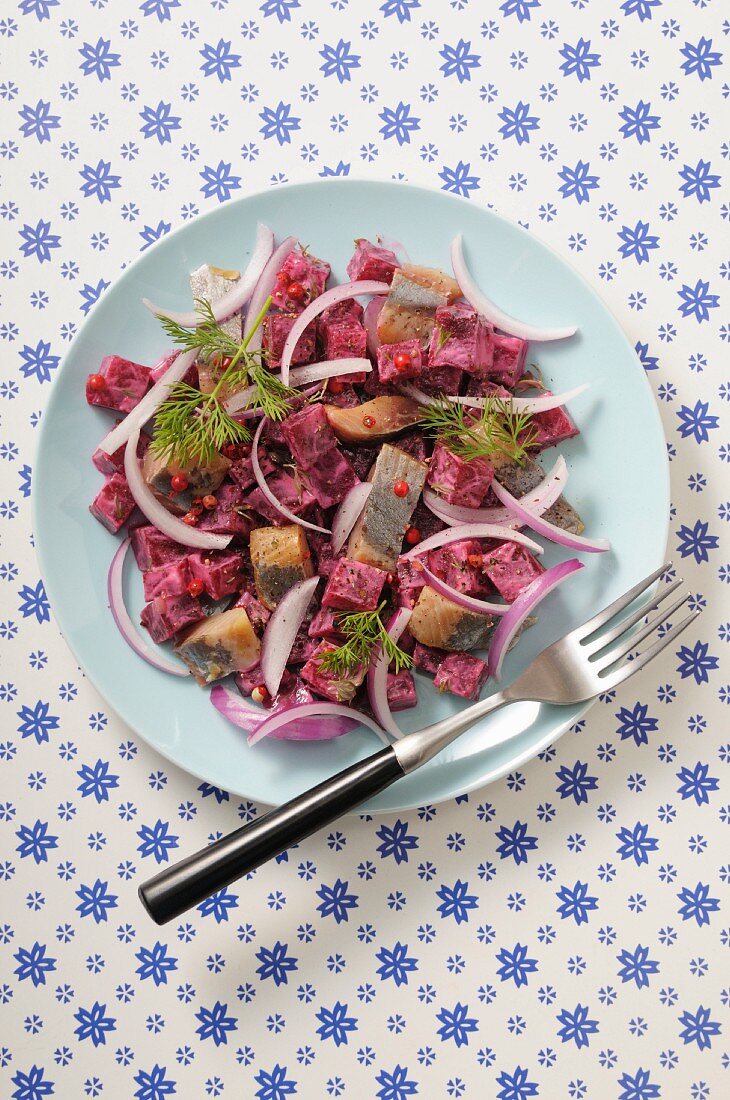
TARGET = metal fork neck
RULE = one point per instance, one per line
(417, 748)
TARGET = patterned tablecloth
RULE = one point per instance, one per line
(563, 933)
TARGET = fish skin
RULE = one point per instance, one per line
(519, 479)
(280, 557)
(377, 537)
(440, 624)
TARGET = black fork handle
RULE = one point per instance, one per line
(195, 878)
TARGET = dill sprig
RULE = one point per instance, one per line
(194, 426)
(497, 428)
(363, 630)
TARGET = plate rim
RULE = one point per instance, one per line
(332, 183)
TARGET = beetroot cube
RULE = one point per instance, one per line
(345, 398)
(165, 615)
(308, 272)
(257, 613)
(551, 427)
(372, 261)
(248, 680)
(387, 370)
(303, 647)
(459, 480)
(511, 568)
(339, 690)
(230, 515)
(152, 549)
(375, 388)
(346, 339)
(163, 365)
(508, 364)
(425, 522)
(321, 547)
(125, 384)
(276, 328)
(285, 489)
(113, 504)
(461, 674)
(461, 338)
(452, 564)
(415, 445)
(219, 571)
(361, 460)
(349, 309)
(443, 380)
(309, 435)
(114, 463)
(324, 624)
(427, 658)
(410, 583)
(169, 580)
(241, 470)
(330, 478)
(354, 586)
(401, 690)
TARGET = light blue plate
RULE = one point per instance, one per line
(618, 478)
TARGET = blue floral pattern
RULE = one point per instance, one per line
(564, 933)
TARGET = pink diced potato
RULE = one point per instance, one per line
(459, 565)
(308, 434)
(168, 580)
(276, 328)
(125, 384)
(324, 624)
(511, 568)
(509, 354)
(230, 515)
(338, 690)
(401, 690)
(461, 338)
(349, 309)
(152, 549)
(257, 613)
(461, 674)
(410, 583)
(387, 370)
(459, 480)
(285, 489)
(304, 269)
(330, 478)
(371, 261)
(354, 586)
(114, 463)
(113, 504)
(346, 339)
(220, 571)
(551, 427)
(428, 659)
(165, 615)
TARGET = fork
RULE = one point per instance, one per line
(590, 660)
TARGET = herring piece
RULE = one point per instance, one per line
(381, 418)
(440, 624)
(377, 536)
(202, 480)
(521, 478)
(212, 283)
(410, 308)
(219, 645)
(280, 557)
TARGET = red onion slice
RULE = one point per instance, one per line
(527, 404)
(370, 320)
(472, 531)
(261, 482)
(523, 606)
(543, 527)
(348, 513)
(378, 675)
(317, 710)
(249, 717)
(156, 513)
(147, 407)
(538, 500)
(329, 298)
(281, 630)
(126, 627)
(262, 291)
(469, 603)
(301, 376)
(234, 299)
(501, 320)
